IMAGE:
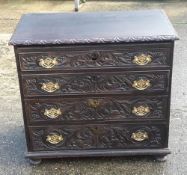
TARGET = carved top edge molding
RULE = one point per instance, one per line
(95, 40)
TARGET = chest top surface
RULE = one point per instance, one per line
(99, 27)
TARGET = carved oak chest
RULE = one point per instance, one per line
(95, 84)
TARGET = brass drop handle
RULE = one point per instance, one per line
(142, 59)
(141, 110)
(52, 113)
(94, 103)
(139, 136)
(54, 138)
(50, 87)
(141, 84)
(48, 62)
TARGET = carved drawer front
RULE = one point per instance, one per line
(95, 57)
(92, 83)
(117, 136)
(96, 109)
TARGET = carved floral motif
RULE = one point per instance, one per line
(91, 59)
(95, 40)
(107, 108)
(94, 83)
(96, 137)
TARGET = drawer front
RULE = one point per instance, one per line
(135, 55)
(97, 137)
(96, 109)
(95, 83)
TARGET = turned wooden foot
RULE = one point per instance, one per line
(35, 161)
(161, 158)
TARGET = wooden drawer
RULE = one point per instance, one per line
(96, 83)
(88, 109)
(119, 136)
(84, 57)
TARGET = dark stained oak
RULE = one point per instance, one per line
(99, 27)
(97, 137)
(82, 109)
(95, 84)
(95, 57)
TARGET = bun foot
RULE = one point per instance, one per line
(35, 161)
(160, 158)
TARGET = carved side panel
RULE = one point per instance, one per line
(96, 137)
(94, 83)
(106, 108)
(94, 58)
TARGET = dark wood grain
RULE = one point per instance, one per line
(98, 153)
(95, 65)
(95, 57)
(108, 109)
(97, 137)
(95, 83)
(98, 27)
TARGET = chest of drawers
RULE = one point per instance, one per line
(95, 84)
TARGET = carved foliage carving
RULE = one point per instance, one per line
(93, 59)
(102, 40)
(94, 83)
(109, 108)
(96, 137)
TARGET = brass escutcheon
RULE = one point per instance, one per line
(139, 136)
(141, 84)
(142, 59)
(50, 86)
(141, 110)
(48, 62)
(53, 113)
(54, 138)
(94, 103)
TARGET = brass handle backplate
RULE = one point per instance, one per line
(140, 136)
(53, 113)
(141, 110)
(141, 84)
(54, 138)
(142, 59)
(48, 63)
(50, 86)
(94, 103)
